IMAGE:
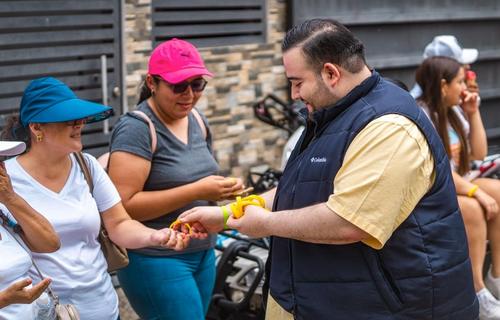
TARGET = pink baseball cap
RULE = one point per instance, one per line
(176, 60)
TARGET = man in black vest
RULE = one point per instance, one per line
(364, 223)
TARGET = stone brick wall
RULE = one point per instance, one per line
(138, 45)
(243, 75)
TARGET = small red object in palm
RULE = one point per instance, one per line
(470, 75)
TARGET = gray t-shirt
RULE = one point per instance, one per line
(172, 165)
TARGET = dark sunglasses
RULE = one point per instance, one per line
(197, 85)
(74, 123)
(95, 118)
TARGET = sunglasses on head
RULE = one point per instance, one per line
(197, 85)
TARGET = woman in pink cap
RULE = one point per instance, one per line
(180, 173)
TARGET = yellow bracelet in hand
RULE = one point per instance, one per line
(176, 222)
(238, 207)
(472, 191)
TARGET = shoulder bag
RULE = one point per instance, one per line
(116, 256)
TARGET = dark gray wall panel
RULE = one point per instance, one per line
(64, 39)
(208, 23)
(395, 33)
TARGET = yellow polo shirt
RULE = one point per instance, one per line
(387, 169)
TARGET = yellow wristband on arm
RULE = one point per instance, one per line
(225, 214)
(472, 191)
(238, 207)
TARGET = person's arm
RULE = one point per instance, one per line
(386, 170)
(469, 189)
(462, 185)
(121, 229)
(19, 293)
(477, 136)
(132, 234)
(315, 224)
(147, 205)
(210, 219)
(38, 233)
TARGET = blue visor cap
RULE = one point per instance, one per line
(47, 100)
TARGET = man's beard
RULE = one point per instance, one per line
(323, 98)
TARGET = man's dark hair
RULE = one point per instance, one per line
(326, 40)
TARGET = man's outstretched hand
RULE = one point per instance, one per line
(203, 220)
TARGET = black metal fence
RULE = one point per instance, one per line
(75, 41)
(209, 23)
(395, 34)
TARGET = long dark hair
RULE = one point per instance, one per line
(429, 75)
(145, 92)
(14, 131)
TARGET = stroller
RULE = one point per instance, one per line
(240, 276)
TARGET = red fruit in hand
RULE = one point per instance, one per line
(470, 75)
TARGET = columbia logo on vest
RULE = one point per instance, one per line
(315, 159)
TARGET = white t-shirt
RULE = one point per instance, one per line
(14, 266)
(78, 269)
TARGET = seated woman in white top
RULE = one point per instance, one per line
(49, 178)
(16, 291)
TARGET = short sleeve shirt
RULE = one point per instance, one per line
(78, 269)
(173, 164)
(387, 169)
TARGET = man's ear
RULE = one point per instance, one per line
(330, 74)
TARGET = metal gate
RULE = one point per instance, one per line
(395, 33)
(208, 23)
(78, 42)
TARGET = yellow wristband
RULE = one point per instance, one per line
(225, 214)
(238, 207)
(174, 224)
(472, 191)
